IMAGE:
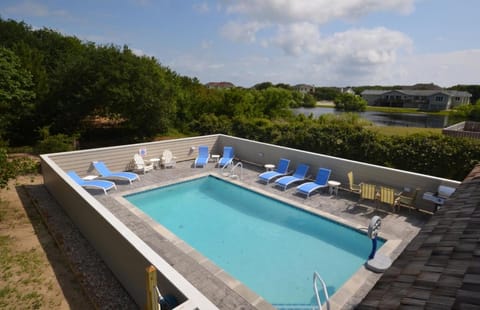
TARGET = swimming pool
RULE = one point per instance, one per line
(270, 246)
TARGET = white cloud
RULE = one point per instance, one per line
(241, 32)
(363, 47)
(444, 69)
(295, 28)
(298, 38)
(315, 11)
(350, 55)
(30, 8)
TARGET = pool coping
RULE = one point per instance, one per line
(362, 279)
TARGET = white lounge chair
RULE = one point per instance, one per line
(140, 165)
(168, 160)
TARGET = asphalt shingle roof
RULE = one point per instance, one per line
(440, 268)
(417, 92)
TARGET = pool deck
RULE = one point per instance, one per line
(222, 289)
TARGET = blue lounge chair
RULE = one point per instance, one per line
(321, 181)
(227, 157)
(202, 158)
(299, 175)
(282, 169)
(107, 174)
(97, 184)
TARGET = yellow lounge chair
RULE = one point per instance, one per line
(367, 191)
(387, 196)
(355, 188)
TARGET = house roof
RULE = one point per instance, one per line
(440, 268)
(414, 92)
(374, 92)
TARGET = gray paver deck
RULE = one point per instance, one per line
(226, 292)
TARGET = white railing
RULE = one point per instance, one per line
(316, 277)
(232, 172)
(226, 173)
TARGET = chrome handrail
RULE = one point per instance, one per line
(316, 277)
(239, 164)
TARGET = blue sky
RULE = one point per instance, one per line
(320, 42)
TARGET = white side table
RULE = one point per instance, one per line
(215, 158)
(155, 162)
(90, 177)
(333, 187)
(269, 167)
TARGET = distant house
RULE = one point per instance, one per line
(431, 100)
(347, 90)
(219, 85)
(304, 88)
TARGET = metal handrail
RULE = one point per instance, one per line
(316, 277)
(225, 166)
(239, 164)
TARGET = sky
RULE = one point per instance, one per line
(320, 42)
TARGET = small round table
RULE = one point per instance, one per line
(333, 187)
(215, 158)
(155, 162)
(269, 167)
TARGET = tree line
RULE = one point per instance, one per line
(55, 89)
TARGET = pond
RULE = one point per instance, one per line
(386, 119)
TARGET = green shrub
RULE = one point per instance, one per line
(11, 168)
(350, 102)
(55, 143)
(345, 137)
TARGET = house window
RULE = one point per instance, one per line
(439, 98)
(457, 98)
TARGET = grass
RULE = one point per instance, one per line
(402, 131)
(21, 270)
(20, 276)
(404, 110)
(326, 104)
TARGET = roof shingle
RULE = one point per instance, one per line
(440, 268)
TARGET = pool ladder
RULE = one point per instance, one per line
(232, 170)
(316, 277)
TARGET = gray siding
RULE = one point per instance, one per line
(262, 153)
(119, 158)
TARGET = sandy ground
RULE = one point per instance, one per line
(33, 272)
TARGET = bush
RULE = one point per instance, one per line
(55, 143)
(345, 137)
(11, 168)
(350, 102)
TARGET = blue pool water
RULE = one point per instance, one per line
(268, 245)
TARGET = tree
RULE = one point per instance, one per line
(16, 96)
(350, 102)
(263, 85)
(326, 93)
